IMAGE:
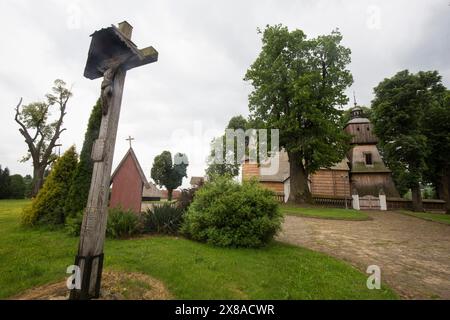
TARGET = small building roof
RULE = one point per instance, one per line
(197, 181)
(151, 191)
(359, 120)
(130, 153)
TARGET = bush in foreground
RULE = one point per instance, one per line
(164, 219)
(122, 223)
(48, 206)
(227, 214)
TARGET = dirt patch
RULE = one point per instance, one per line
(413, 254)
(115, 286)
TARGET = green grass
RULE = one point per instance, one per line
(324, 213)
(436, 217)
(190, 270)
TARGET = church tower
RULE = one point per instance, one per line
(368, 173)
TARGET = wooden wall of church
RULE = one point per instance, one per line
(372, 183)
(330, 183)
(277, 187)
(362, 133)
(250, 170)
(127, 187)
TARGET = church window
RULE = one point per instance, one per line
(368, 158)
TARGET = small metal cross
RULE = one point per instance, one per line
(129, 140)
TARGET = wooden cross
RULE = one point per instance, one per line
(129, 139)
(111, 54)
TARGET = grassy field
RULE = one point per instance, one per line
(324, 213)
(436, 217)
(190, 270)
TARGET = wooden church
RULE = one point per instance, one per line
(362, 172)
(368, 173)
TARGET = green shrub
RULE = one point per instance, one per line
(48, 206)
(227, 214)
(73, 224)
(164, 219)
(122, 223)
(79, 188)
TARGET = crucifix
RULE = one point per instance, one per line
(129, 139)
(111, 55)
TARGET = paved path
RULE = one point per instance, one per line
(413, 254)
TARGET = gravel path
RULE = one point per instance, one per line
(413, 254)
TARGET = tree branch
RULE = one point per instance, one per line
(24, 131)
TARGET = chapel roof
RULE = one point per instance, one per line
(130, 153)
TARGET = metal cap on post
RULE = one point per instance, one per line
(126, 29)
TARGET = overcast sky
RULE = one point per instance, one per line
(205, 47)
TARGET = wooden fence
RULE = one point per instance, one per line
(332, 201)
(324, 201)
(428, 204)
(279, 197)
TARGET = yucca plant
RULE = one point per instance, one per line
(165, 219)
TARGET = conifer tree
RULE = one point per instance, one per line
(48, 206)
(79, 188)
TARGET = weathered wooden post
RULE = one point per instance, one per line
(111, 54)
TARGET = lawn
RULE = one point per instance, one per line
(324, 213)
(190, 270)
(436, 217)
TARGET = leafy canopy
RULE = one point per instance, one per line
(168, 174)
(225, 168)
(401, 106)
(298, 83)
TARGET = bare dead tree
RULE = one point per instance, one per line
(40, 133)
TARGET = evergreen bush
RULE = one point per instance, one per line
(228, 214)
(81, 181)
(122, 223)
(48, 206)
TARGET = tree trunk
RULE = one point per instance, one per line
(169, 194)
(416, 198)
(38, 179)
(443, 190)
(299, 189)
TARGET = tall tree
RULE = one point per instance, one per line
(224, 168)
(79, 188)
(40, 131)
(436, 127)
(298, 85)
(17, 187)
(5, 183)
(399, 108)
(167, 173)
